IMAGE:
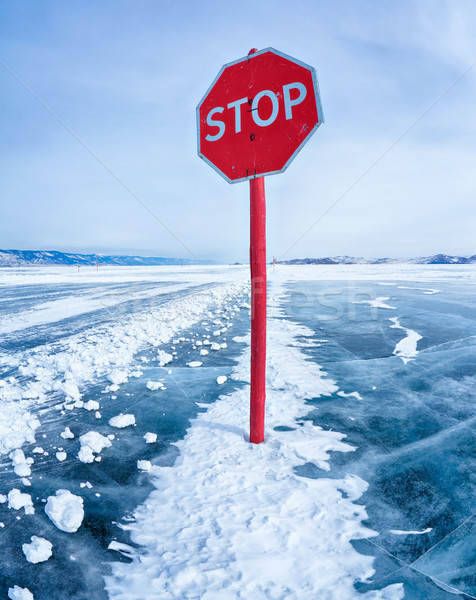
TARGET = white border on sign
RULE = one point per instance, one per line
(320, 114)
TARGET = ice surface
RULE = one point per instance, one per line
(101, 350)
(412, 425)
(65, 510)
(420, 411)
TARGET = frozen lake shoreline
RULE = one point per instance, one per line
(301, 297)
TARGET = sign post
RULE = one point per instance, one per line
(254, 119)
(258, 308)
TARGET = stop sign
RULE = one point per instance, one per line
(257, 115)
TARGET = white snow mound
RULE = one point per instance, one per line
(121, 421)
(194, 364)
(17, 500)
(144, 465)
(18, 593)
(65, 510)
(38, 551)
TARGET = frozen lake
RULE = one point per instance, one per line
(412, 423)
(367, 472)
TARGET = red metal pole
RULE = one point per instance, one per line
(258, 308)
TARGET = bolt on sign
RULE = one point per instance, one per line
(253, 120)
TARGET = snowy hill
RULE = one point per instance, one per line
(20, 258)
(437, 259)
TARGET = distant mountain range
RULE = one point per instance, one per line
(26, 258)
(437, 259)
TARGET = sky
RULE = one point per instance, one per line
(98, 148)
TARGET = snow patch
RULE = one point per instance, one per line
(233, 520)
(376, 303)
(406, 348)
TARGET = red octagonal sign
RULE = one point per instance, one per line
(257, 114)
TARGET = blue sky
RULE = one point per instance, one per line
(125, 78)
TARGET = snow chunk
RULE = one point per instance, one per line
(116, 376)
(144, 465)
(91, 405)
(215, 346)
(67, 434)
(61, 456)
(203, 352)
(111, 388)
(164, 358)
(18, 593)
(121, 421)
(17, 500)
(150, 438)
(38, 450)
(155, 385)
(92, 443)
(20, 464)
(194, 364)
(38, 551)
(65, 510)
(71, 390)
(221, 379)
